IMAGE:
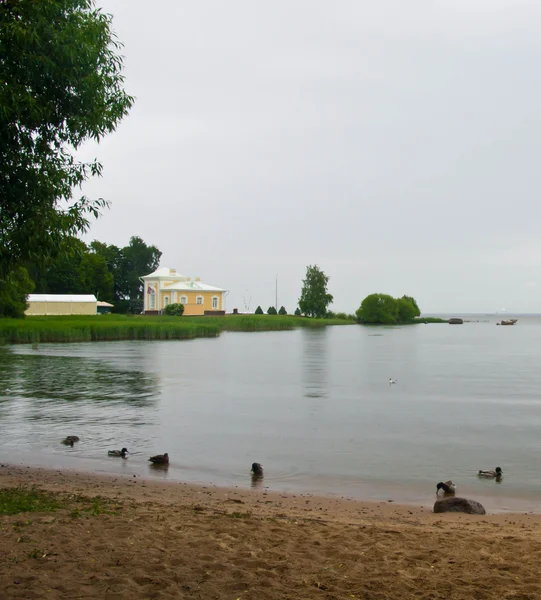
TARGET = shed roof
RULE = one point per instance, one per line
(61, 298)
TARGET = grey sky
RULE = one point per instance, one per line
(393, 143)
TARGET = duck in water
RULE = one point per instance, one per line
(496, 474)
(257, 470)
(448, 488)
(160, 459)
(121, 453)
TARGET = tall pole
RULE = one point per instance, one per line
(276, 306)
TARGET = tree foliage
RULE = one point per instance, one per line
(385, 310)
(259, 310)
(174, 310)
(110, 273)
(298, 312)
(60, 85)
(282, 310)
(315, 298)
(14, 291)
(271, 310)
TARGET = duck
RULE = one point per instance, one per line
(257, 469)
(448, 487)
(122, 452)
(7, 391)
(391, 381)
(160, 459)
(496, 473)
(70, 440)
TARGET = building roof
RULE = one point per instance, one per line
(61, 298)
(101, 303)
(193, 286)
(164, 272)
(181, 283)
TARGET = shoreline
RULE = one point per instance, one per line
(121, 536)
(405, 494)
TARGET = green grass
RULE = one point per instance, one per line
(94, 328)
(429, 320)
(17, 500)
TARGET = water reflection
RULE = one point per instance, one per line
(257, 481)
(78, 378)
(159, 470)
(314, 362)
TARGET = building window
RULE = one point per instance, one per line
(183, 300)
(214, 301)
(199, 300)
(152, 298)
(166, 301)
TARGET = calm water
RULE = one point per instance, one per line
(313, 406)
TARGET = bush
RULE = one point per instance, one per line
(297, 312)
(174, 310)
(259, 310)
(271, 311)
(282, 311)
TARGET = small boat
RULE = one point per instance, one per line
(508, 322)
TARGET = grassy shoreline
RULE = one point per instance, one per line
(97, 328)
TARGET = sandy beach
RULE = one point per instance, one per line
(146, 539)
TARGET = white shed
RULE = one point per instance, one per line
(61, 304)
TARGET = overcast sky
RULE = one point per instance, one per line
(395, 144)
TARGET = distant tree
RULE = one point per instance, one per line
(113, 257)
(315, 298)
(138, 259)
(330, 315)
(14, 293)
(174, 310)
(271, 310)
(61, 84)
(259, 310)
(378, 308)
(95, 277)
(407, 309)
(282, 311)
(297, 312)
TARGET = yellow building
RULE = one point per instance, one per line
(166, 286)
(61, 304)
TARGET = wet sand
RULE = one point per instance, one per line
(149, 539)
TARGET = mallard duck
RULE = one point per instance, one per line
(122, 452)
(257, 469)
(448, 487)
(160, 459)
(70, 440)
(496, 473)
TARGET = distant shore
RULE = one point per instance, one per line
(114, 537)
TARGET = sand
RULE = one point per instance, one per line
(146, 539)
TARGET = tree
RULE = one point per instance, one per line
(298, 312)
(378, 308)
(271, 311)
(137, 259)
(14, 292)
(282, 311)
(386, 310)
(60, 85)
(95, 277)
(113, 258)
(259, 310)
(315, 298)
(174, 310)
(407, 309)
